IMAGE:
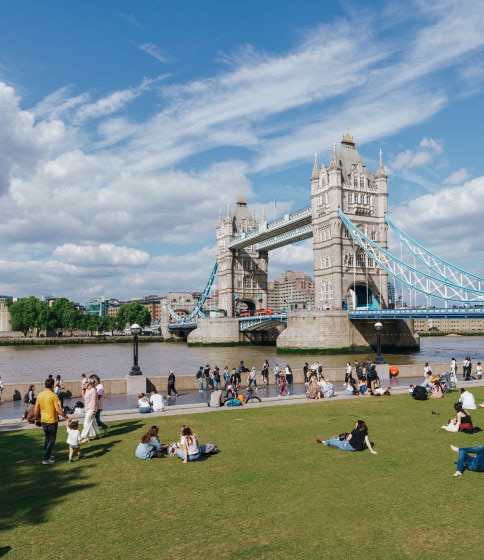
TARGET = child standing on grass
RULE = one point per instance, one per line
(74, 439)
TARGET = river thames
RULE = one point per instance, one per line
(31, 364)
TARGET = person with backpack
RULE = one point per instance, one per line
(216, 378)
(29, 397)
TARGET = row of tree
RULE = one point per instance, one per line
(30, 314)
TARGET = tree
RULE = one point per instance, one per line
(24, 314)
(67, 315)
(131, 313)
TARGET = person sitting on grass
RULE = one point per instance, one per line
(437, 392)
(462, 421)
(150, 445)
(470, 458)
(355, 441)
(189, 448)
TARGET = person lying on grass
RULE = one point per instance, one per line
(355, 441)
(470, 458)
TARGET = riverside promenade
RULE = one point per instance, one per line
(123, 407)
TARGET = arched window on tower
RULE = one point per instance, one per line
(355, 181)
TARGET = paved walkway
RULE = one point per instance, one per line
(122, 407)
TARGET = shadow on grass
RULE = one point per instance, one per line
(29, 489)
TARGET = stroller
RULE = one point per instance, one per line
(448, 381)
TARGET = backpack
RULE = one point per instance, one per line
(26, 398)
(233, 402)
(209, 449)
(420, 393)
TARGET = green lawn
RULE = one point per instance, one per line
(272, 491)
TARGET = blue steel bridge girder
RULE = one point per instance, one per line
(289, 223)
(435, 285)
(439, 266)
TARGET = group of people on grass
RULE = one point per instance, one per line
(187, 449)
(47, 409)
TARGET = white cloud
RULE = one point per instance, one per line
(457, 177)
(448, 223)
(420, 157)
(91, 191)
(102, 255)
(154, 51)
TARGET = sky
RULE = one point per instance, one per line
(127, 128)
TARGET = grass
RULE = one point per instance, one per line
(271, 493)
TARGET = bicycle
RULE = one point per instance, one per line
(251, 396)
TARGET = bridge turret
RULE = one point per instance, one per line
(343, 275)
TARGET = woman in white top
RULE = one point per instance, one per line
(189, 448)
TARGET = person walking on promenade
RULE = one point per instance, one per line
(471, 458)
(171, 384)
(1, 388)
(90, 429)
(48, 410)
(288, 373)
(276, 372)
(252, 378)
(199, 376)
(282, 385)
(100, 403)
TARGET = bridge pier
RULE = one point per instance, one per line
(332, 330)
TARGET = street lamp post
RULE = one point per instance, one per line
(135, 331)
(378, 358)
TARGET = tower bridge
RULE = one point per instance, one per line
(348, 222)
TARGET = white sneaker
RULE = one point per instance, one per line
(48, 462)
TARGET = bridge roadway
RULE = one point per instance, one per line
(283, 231)
(418, 313)
(265, 322)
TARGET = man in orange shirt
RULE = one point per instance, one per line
(48, 409)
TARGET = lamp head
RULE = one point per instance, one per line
(135, 329)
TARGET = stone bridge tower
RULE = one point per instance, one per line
(345, 277)
(242, 273)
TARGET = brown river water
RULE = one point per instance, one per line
(32, 364)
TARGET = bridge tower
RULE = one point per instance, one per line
(345, 278)
(242, 273)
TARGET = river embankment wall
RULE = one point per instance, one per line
(135, 384)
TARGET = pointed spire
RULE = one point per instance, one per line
(228, 212)
(334, 160)
(381, 168)
(315, 173)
